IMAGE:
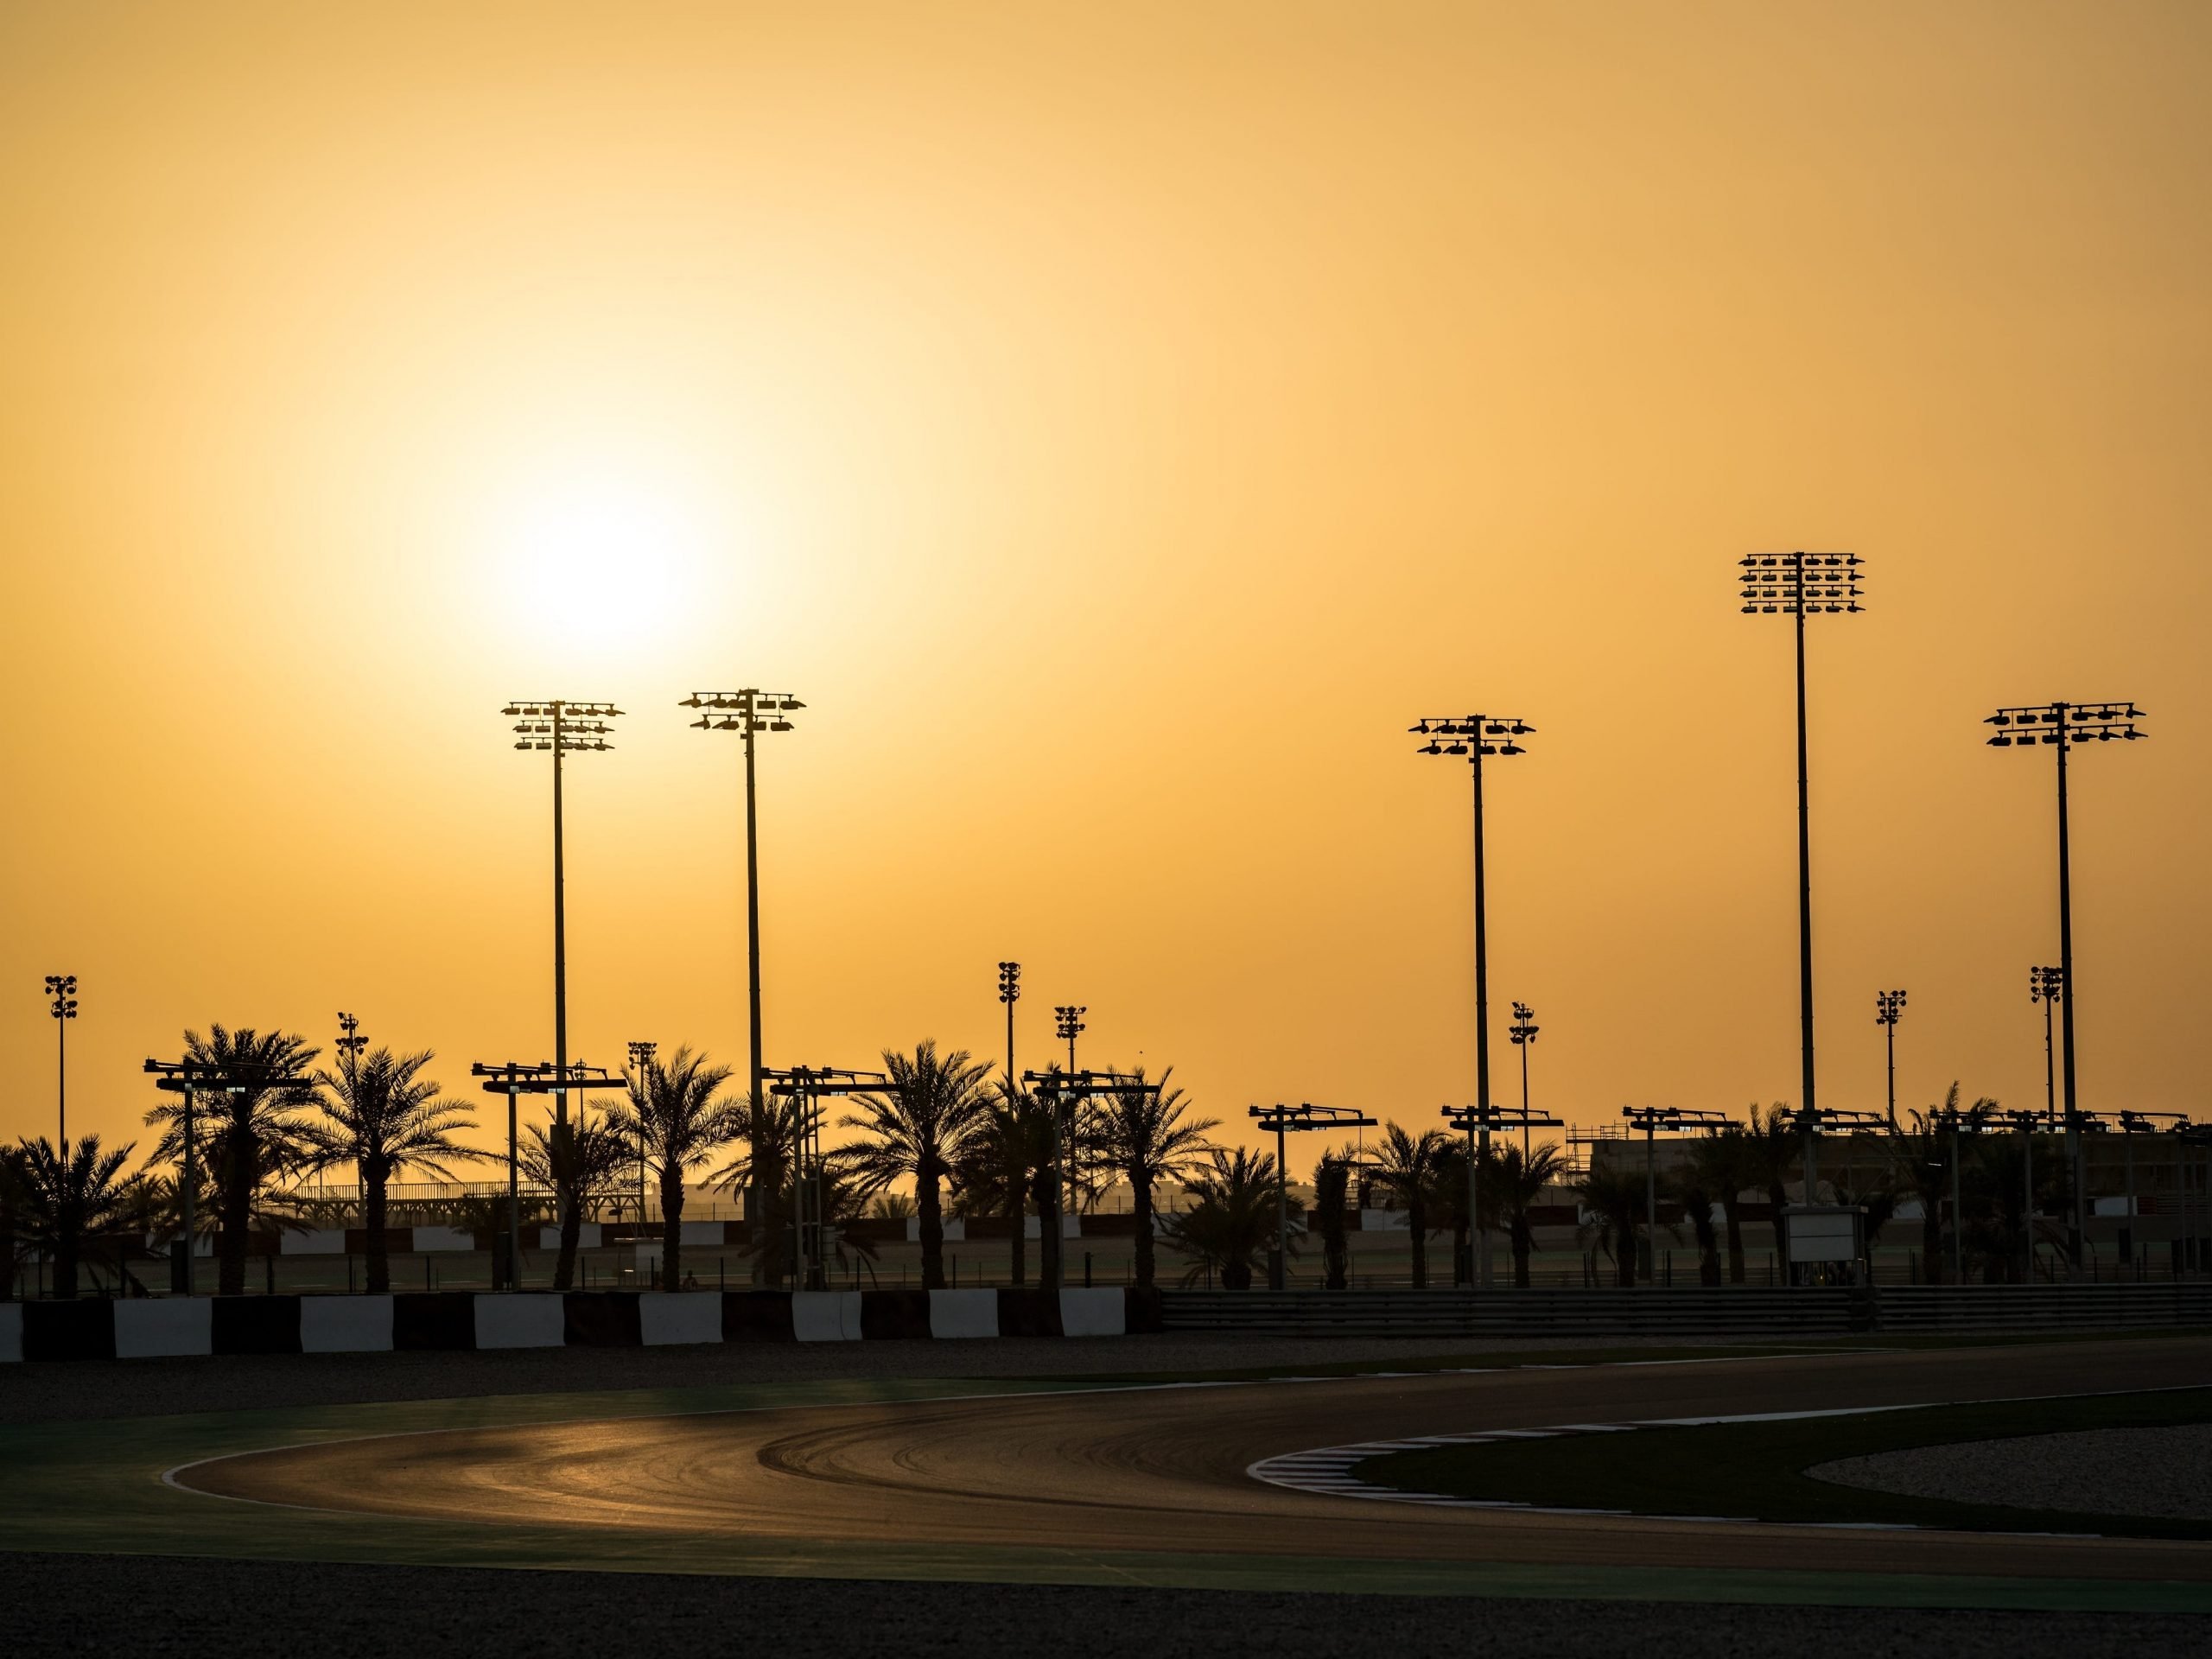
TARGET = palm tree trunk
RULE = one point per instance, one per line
(1523, 1240)
(238, 1182)
(1625, 1250)
(1731, 1209)
(372, 1215)
(672, 1229)
(1414, 1220)
(1931, 1237)
(1017, 1233)
(1048, 1231)
(1141, 1205)
(572, 1221)
(929, 1209)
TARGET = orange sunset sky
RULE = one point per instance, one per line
(1118, 424)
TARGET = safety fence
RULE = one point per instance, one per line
(158, 1327)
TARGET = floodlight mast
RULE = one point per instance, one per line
(1523, 1032)
(1477, 736)
(1888, 1008)
(1650, 1120)
(1285, 1120)
(2060, 726)
(1798, 585)
(561, 727)
(62, 988)
(749, 712)
(1009, 994)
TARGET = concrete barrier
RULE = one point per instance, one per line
(962, 1313)
(11, 1333)
(674, 1319)
(588, 1236)
(316, 1241)
(345, 1325)
(826, 1315)
(156, 1329)
(442, 1239)
(1096, 1313)
(955, 1229)
(521, 1320)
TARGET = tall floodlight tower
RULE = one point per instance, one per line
(2059, 727)
(1477, 737)
(1799, 585)
(749, 712)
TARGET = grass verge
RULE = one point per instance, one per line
(1755, 1470)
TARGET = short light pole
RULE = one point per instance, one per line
(1523, 1032)
(62, 988)
(1009, 994)
(749, 712)
(2059, 727)
(1477, 737)
(191, 1078)
(1799, 585)
(1888, 1008)
(1651, 1120)
(641, 1059)
(1285, 1120)
(1475, 1122)
(2132, 1123)
(513, 1081)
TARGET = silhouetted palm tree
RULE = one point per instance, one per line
(1332, 1193)
(583, 1162)
(1769, 1152)
(767, 1135)
(1146, 1140)
(1920, 1161)
(1614, 1199)
(914, 1129)
(14, 1198)
(1719, 1163)
(68, 1197)
(382, 1116)
(1513, 1185)
(1686, 1186)
(1405, 1167)
(999, 1162)
(1231, 1217)
(1877, 1202)
(676, 1113)
(248, 1132)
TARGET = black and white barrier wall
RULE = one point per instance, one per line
(148, 1328)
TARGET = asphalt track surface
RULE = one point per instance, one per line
(1164, 1469)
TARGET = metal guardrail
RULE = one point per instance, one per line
(1703, 1311)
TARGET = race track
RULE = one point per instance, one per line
(1164, 1469)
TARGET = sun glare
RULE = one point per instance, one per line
(597, 559)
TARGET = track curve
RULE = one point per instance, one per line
(1155, 1469)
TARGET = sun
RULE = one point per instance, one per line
(594, 558)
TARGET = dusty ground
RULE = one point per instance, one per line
(2166, 1471)
(158, 1605)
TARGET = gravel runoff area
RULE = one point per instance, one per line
(147, 1388)
(2161, 1471)
(164, 1605)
